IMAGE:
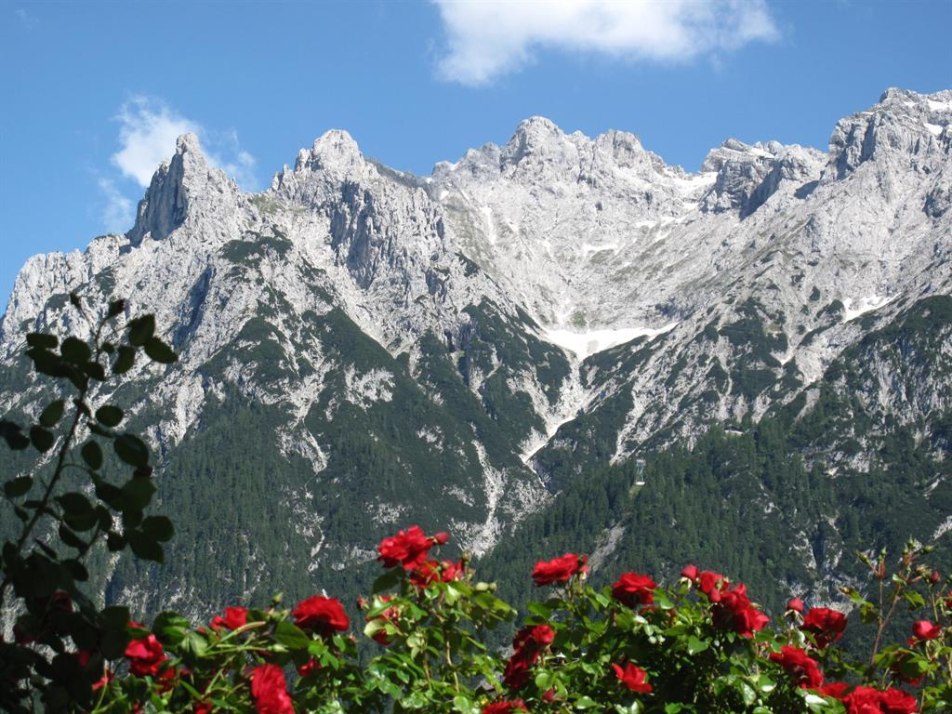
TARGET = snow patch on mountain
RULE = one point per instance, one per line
(852, 310)
(585, 344)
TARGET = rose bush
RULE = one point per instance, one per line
(697, 645)
(700, 645)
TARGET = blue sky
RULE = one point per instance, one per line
(92, 93)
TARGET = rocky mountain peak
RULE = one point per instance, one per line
(186, 179)
(333, 159)
(624, 147)
(536, 137)
(748, 174)
(904, 128)
(335, 150)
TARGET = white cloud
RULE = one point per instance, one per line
(117, 215)
(147, 133)
(148, 130)
(487, 39)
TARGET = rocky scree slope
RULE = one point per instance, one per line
(362, 348)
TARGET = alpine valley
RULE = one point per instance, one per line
(560, 343)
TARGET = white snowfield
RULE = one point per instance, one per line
(586, 344)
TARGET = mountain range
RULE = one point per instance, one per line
(558, 342)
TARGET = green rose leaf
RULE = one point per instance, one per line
(42, 438)
(144, 547)
(18, 487)
(195, 643)
(76, 569)
(464, 705)
(170, 627)
(38, 339)
(696, 645)
(141, 329)
(158, 527)
(95, 370)
(92, 455)
(386, 581)
(46, 362)
(114, 641)
(52, 414)
(116, 307)
(71, 539)
(136, 494)
(291, 636)
(13, 434)
(131, 449)
(160, 352)
(76, 351)
(78, 512)
(109, 415)
(125, 358)
(75, 502)
(115, 542)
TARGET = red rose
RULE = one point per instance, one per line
(506, 707)
(734, 611)
(690, 572)
(712, 584)
(435, 571)
(533, 638)
(925, 630)
(527, 648)
(408, 548)
(632, 589)
(321, 614)
(896, 701)
(104, 680)
(866, 700)
(824, 624)
(269, 690)
(632, 677)
(234, 618)
(559, 570)
(517, 672)
(795, 605)
(837, 690)
(145, 656)
(202, 708)
(310, 666)
(804, 671)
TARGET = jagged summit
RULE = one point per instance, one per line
(187, 185)
(905, 128)
(334, 150)
(188, 142)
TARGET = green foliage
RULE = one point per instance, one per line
(256, 246)
(83, 502)
(698, 646)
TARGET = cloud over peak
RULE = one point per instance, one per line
(489, 39)
(147, 133)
